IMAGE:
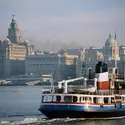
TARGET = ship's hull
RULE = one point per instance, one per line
(81, 114)
(82, 110)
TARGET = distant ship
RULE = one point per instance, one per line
(5, 83)
(28, 79)
(98, 97)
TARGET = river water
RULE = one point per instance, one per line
(19, 105)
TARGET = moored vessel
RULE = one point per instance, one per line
(98, 97)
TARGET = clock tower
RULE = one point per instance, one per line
(13, 31)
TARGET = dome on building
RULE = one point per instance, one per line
(110, 41)
(7, 41)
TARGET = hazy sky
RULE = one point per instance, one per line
(50, 24)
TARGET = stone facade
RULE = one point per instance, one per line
(61, 66)
(122, 53)
(122, 59)
(78, 52)
(13, 52)
(92, 56)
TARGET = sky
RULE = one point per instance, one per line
(55, 24)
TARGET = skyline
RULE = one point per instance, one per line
(61, 23)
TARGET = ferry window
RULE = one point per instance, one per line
(118, 97)
(68, 98)
(122, 98)
(54, 98)
(83, 98)
(86, 98)
(45, 98)
(74, 98)
(112, 100)
(80, 99)
(42, 99)
(94, 99)
(105, 100)
(49, 99)
(58, 98)
(89, 98)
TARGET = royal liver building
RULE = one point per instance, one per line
(13, 52)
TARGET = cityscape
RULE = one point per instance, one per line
(20, 59)
(62, 62)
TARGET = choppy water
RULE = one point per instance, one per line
(19, 105)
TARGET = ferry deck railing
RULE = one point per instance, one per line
(100, 92)
(97, 92)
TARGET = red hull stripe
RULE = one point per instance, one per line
(77, 103)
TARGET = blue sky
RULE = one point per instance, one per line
(50, 24)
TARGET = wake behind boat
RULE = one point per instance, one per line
(99, 97)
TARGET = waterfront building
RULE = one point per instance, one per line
(42, 63)
(122, 59)
(13, 52)
(76, 52)
(60, 65)
(111, 54)
(69, 66)
(14, 31)
(33, 49)
(92, 56)
(122, 53)
(80, 52)
(111, 49)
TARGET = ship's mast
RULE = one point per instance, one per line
(52, 84)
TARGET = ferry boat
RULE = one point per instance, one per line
(30, 79)
(98, 97)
